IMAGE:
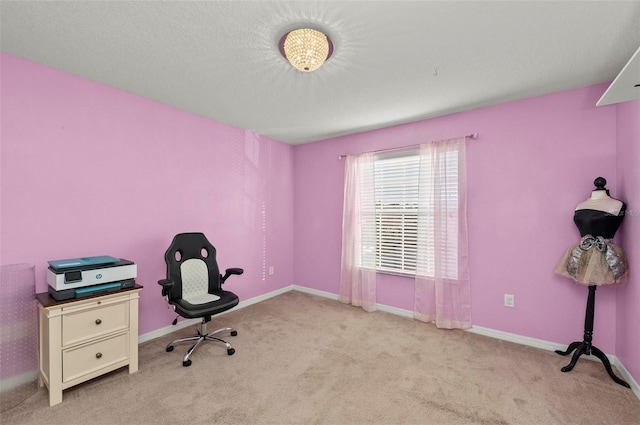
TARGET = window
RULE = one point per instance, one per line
(397, 188)
(405, 213)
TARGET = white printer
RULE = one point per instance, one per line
(88, 276)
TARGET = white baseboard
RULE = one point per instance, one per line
(505, 336)
(30, 376)
(314, 292)
(552, 346)
(193, 322)
(26, 377)
(395, 310)
(381, 307)
(518, 339)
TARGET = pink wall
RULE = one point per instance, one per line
(628, 313)
(90, 170)
(534, 161)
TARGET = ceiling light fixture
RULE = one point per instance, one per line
(306, 49)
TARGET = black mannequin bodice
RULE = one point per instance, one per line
(598, 223)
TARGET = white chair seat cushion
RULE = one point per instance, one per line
(201, 299)
(195, 282)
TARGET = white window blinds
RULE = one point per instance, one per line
(396, 183)
(397, 191)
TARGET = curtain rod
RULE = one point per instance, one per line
(468, 136)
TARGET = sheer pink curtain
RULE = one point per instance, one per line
(442, 292)
(357, 271)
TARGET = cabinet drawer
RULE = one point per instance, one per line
(93, 323)
(88, 358)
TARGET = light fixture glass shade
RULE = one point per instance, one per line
(306, 49)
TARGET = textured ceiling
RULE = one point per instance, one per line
(393, 62)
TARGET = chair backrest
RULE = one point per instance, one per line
(191, 266)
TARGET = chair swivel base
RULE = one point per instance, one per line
(201, 337)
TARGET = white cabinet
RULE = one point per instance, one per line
(84, 338)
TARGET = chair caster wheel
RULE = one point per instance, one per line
(186, 363)
(230, 351)
(169, 348)
(234, 333)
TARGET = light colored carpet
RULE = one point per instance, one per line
(303, 359)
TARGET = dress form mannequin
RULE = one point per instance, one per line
(589, 215)
(594, 261)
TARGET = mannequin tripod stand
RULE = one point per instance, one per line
(585, 346)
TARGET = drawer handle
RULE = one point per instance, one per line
(98, 321)
(98, 355)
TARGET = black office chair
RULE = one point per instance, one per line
(193, 288)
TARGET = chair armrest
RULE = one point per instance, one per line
(166, 286)
(229, 272)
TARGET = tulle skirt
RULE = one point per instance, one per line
(593, 266)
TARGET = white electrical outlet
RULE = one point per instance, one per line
(509, 300)
(271, 271)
